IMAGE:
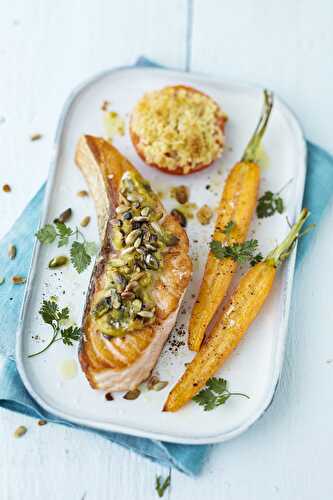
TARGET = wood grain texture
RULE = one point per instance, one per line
(48, 47)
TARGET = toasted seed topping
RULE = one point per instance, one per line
(18, 280)
(85, 221)
(35, 137)
(82, 194)
(181, 193)
(132, 236)
(64, 216)
(158, 386)
(42, 422)
(59, 261)
(20, 431)
(6, 188)
(12, 251)
(146, 314)
(130, 395)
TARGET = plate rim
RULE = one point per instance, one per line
(287, 289)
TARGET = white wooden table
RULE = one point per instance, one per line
(46, 48)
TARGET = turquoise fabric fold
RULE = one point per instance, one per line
(13, 396)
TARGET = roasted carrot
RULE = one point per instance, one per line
(237, 205)
(238, 314)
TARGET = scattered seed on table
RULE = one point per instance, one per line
(82, 193)
(20, 431)
(41, 422)
(6, 188)
(18, 280)
(109, 397)
(12, 251)
(2, 280)
(85, 221)
(35, 137)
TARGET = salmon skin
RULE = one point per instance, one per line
(140, 275)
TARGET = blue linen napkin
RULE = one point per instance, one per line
(13, 396)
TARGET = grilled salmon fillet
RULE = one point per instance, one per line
(140, 275)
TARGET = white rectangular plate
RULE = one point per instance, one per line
(255, 367)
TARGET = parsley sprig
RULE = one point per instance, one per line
(162, 484)
(215, 394)
(239, 252)
(54, 316)
(80, 252)
(270, 203)
(228, 228)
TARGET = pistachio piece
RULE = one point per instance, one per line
(64, 216)
(18, 280)
(130, 395)
(140, 218)
(128, 250)
(138, 242)
(82, 194)
(85, 221)
(121, 209)
(179, 216)
(204, 215)
(59, 261)
(116, 262)
(12, 251)
(157, 228)
(102, 308)
(20, 431)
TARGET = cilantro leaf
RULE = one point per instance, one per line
(215, 394)
(239, 252)
(47, 234)
(91, 248)
(64, 232)
(229, 227)
(70, 334)
(162, 484)
(268, 204)
(49, 311)
(79, 257)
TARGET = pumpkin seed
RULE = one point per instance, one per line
(146, 314)
(130, 395)
(20, 431)
(151, 261)
(64, 216)
(145, 211)
(136, 305)
(85, 221)
(82, 194)
(18, 280)
(140, 218)
(121, 209)
(132, 236)
(137, 242)
(59, 261)
(158, 386)
(150, 247)
(157, 228)
(12, 251)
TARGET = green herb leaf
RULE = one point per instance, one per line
(162, 484)
(70, 334)
(256, 259)
(228, 228)
(268, 204)
(79, 257)
(239, 252)
(64, 232)
(53, 316)
(47, 234)
(215, 394)
(91, 248)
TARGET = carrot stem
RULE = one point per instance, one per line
(251, 151)
(282, 251)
